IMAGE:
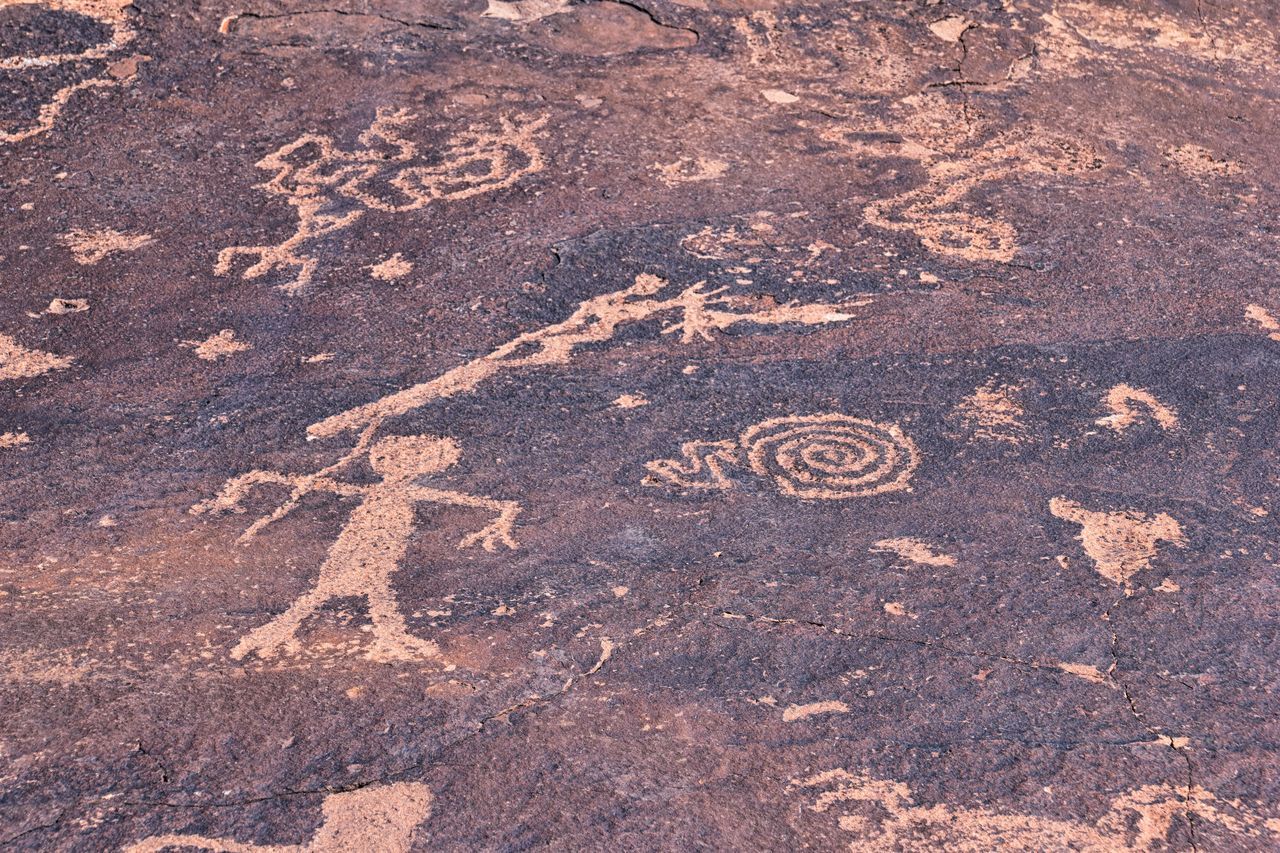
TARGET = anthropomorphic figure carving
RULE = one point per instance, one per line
(371, 545)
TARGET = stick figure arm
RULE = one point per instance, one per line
(237, 488)
(498, 531)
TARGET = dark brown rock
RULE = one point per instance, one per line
(600, 425)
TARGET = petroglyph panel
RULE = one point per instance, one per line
(948, 334)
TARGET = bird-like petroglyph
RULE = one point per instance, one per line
(371, 544)
(376, 818)
(119, 33)
(1123, 543)
(817, 457)
(330, 188)
(885, 815)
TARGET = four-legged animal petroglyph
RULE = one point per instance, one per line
(883, 815)
(371, 545)
(821, 457)
(330, 188)
(957, 163)
(1121, 544)
(111, 14)
(376, 819)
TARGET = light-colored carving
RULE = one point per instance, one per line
(374, 819)
(221, 344)
(1129, 405)
(89, 247)
(918, 552)
(323, 188)
(701, 465)
(1077, 37)
(19, 362)
(816, 457)
(524, 11)
(690, 170)
(993, 412)
(1264, 319)
(372, 543)
(799, 712)
(1121, 544)
(700, 313)
(884, 815)
(110, 13)
(391, 269)
(957, 162)
(13, 439)
(1199, 162)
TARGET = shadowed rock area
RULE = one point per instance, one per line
(610, 425)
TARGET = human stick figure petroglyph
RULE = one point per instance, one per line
(883, 815)
(111, 14)
(322, 182)
(371, 544)
(375, 819)
(816, 457)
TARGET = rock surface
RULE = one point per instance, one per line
(682, 424)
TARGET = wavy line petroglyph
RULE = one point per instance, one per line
(381, 175)
(815, 457)
(371, 544)
(1121, 544)
(957, 161)
(884, 815)
(375, 819)
(110, 13)
(1129, 405)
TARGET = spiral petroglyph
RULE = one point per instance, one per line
(830, 456)
(816, 457)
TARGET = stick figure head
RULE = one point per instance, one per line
(403, 457)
